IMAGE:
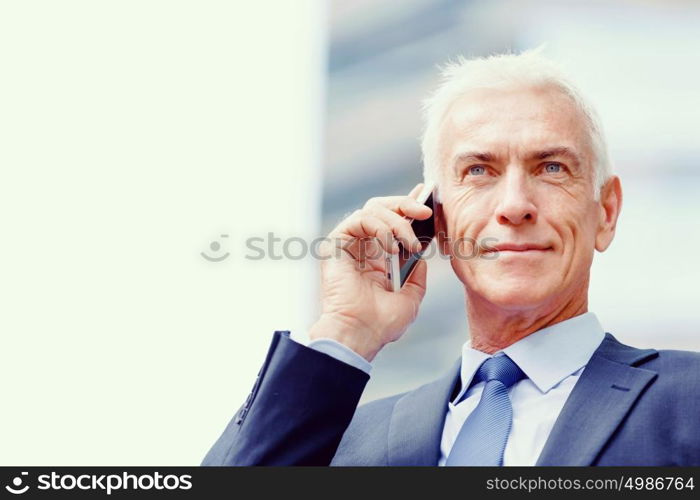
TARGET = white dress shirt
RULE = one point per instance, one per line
(552, 359)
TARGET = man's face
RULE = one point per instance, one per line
(517, 167)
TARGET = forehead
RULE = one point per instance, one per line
(515, 120)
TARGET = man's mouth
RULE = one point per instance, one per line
(518, 248)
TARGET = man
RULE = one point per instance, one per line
(518, 156)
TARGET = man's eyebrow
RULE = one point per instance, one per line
(474, 156)
(559, 151)
(542, 154)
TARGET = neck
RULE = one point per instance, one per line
(493, 328)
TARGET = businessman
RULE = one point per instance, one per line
(518, 156)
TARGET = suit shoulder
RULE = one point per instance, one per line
(654, 359)
(677, 370)
(673, 359)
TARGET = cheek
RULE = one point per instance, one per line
(463, 239)
(584, 244)
(465, 215)
(577, 237)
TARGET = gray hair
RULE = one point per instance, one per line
(529, 68)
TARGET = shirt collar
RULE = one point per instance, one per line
(547, 356)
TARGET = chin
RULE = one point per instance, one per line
(514, 292)
(511, 287)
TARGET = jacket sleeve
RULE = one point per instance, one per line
(300, 406)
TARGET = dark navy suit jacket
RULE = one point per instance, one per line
(629, 407)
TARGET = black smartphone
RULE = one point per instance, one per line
(400, 266)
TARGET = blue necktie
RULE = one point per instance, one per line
(482, 438)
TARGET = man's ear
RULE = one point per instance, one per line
(610, 204)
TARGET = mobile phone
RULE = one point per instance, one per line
(400, 266)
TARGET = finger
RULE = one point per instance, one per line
(400, 226)
(374, 258)
(416, 190)
(402, 205)
(364, 224)
(368, 254)
(354, 235)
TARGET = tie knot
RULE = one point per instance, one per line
(500, 368)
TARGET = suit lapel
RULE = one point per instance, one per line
(600, 400)
(417, 421)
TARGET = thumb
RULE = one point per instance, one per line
(417, 281)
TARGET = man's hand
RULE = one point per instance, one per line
(357, 309)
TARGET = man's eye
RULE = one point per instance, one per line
(477, 170)
(552, 168)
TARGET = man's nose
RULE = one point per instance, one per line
(515, 205)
